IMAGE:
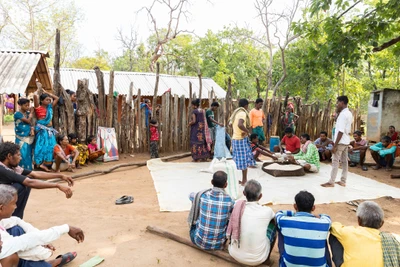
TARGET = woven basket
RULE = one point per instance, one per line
(276, 170)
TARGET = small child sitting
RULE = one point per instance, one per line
(94, 152)
(258, 149)
(154, 137)
(82, 148)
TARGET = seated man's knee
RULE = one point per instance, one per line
(11, 260)
(307, 167)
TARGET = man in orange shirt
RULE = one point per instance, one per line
(257, 119)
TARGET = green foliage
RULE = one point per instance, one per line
(9, 118)
(101, 60)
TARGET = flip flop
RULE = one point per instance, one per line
(66, 258)
(124, 200)
(364, 168)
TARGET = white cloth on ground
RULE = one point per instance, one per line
(254, 243)
(313, 168)
(343, 124)
(29, 245)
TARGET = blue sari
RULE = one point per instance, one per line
(24, 140)
(45, 139)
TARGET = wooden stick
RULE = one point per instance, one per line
(217, 253)
(395, 176)
(138, 164)
(110, 102)
(374, 164)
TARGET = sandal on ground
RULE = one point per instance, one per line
(124, 200)
(352, 164)
(388, 169)
(376, 167)
(66, 258)
(364, 168)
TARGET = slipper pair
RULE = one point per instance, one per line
(124, 200)
(66, 258)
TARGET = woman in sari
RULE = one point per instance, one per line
(45, 133)
(200, 138)
(24, 133)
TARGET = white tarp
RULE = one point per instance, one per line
(174, 181)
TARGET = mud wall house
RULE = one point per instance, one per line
(19, 70)
(383, 111)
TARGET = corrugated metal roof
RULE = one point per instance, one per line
(16, 70)
(145, 81)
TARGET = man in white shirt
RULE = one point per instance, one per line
(32, 246)
(253, 246)
(342, 141)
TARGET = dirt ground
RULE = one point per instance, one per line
(118, 233)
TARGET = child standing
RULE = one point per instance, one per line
(94, 152)
(258, 149)
(154, 137)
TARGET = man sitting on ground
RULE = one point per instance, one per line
(364, 246)
(302, 235)
(32, 247)
(291, 142)
(251, 228)
(308, 156)
(357, 150)
(383, 153)
(324, 145)
(209, 215)
(258, 149)
(12, 174)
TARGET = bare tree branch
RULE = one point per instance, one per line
(347, 10)
(386, 45)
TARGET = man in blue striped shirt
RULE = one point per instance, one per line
(302, 235)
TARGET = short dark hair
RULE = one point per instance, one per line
(323, 132)
(90, 139)
(359, 133)
(215, 104)
(43, 97)
(70, 92)
(153, 121)
(243, 102)
(306, 136)
(196, 102)
(219, 179)
(386, 139)
(304, 201)
(288, 130)
(343, 98)
(23, 101)
(253, 136)
(8, 148)
(72, 136)
(391, 126)
(259, 100)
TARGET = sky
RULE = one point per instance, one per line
(101, 21)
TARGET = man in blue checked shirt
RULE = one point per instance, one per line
(302, 235)
(209, 215)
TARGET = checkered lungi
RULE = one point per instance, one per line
(242, 155)
(355, 157)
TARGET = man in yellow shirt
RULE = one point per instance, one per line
(257, 119)
(365, 245)
(241, 150)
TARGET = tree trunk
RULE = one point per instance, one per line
(101, 96)
(258, 87)
(110, 104)
(156, 85)
(200, 86)
(83, 109)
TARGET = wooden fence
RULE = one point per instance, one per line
(125, 115)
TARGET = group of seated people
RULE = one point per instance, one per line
(308, 154)
(250, 230)
(22, 244)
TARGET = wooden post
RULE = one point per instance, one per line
(110, 104)
(176, 122)
(101, 96)
(128, 118)
(1, 113)
(139, 122)
(228, 100)
(124, 139)
(156, 86)
(200, 85)
(182, 124)
(259, 88)
(164, 123)
(82, 110)
(56, 78)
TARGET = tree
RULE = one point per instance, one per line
(352, 34)
(101, 60)
(163, 35)
(128, 43)
(32, 24)
(139, 62)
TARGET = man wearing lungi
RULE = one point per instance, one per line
(241, 150)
